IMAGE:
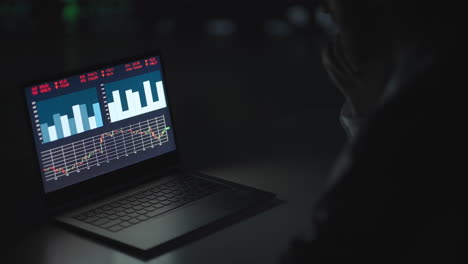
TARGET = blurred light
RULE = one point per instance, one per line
(220, 27)
(71, 12)
(277, 27)
(298, 15)
(326, 22)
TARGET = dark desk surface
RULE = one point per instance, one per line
(268, 129)
(259, 239)
(297, 179)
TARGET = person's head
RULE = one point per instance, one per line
(374, 29)
(373, 35)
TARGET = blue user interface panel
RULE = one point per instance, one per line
(93, 123)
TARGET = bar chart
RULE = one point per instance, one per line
(68, 115)
(135, 96)
(104, 148)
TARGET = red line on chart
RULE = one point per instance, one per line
(101, 143)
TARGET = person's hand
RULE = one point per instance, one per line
(360, 89)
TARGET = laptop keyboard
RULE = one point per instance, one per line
(149, 203)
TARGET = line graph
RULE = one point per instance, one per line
(104, 148)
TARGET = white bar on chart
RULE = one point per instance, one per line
(134, 102)
(130, 102)
(137, 103)
(92, 122)
(162, 98)
(148, 93)
(116, 110)
(65, 126)
(161, 103)
(125, 114)
(52, 133)
(112, 111)
(78, 119)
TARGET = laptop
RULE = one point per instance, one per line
(108, 161)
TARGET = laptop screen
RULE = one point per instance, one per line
(96, 122)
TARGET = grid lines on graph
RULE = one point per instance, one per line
(103, 148)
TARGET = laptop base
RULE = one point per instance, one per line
(174, 222)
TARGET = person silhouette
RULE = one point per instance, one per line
(396, 192)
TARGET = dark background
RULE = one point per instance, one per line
(245, 76)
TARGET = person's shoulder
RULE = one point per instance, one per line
(419, 130)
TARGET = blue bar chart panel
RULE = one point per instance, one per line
(68, 115)
(135, 96)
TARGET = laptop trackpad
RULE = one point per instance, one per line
(180, 221)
